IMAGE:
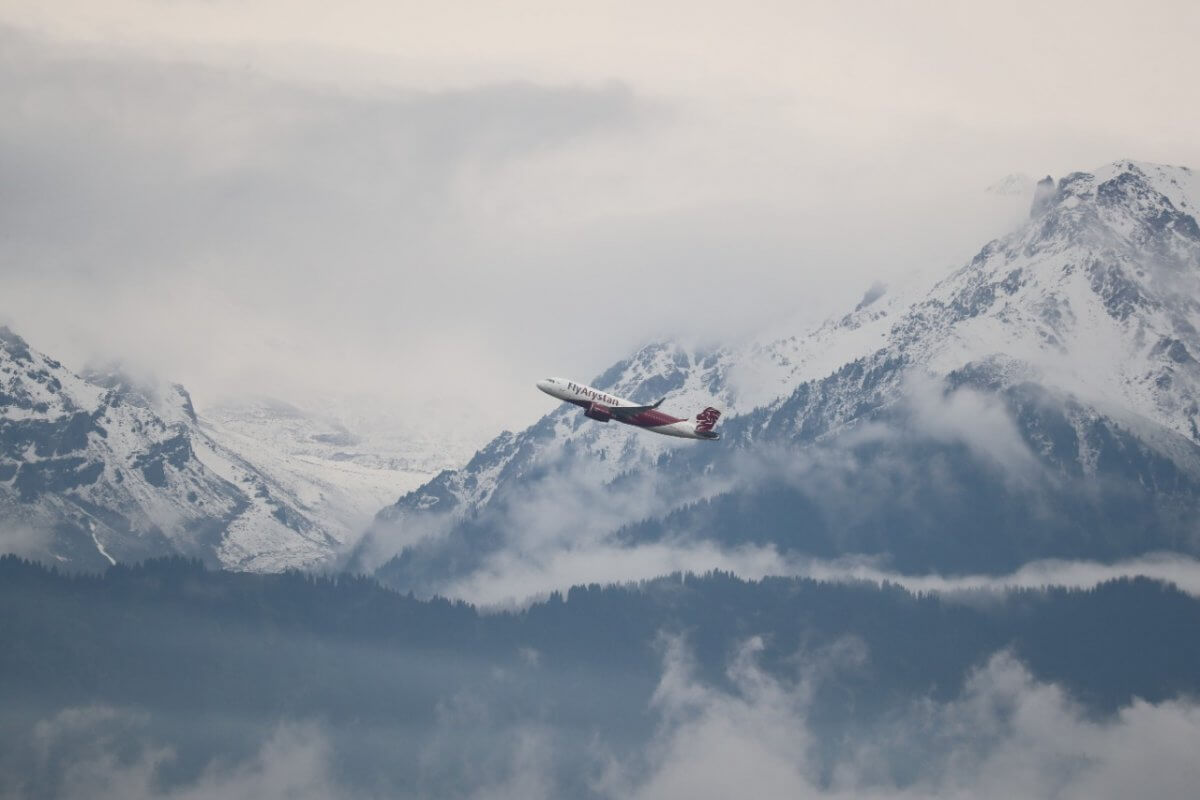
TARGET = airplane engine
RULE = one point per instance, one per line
(598, 412)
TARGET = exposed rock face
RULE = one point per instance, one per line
(1043, 197)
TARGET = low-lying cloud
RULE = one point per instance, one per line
(108, 753)
(25, 540)
(1180, 570)
(513, 580)
(1006, 734)
(569, 523)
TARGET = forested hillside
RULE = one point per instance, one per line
(237, 654)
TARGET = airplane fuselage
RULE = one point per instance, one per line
(604, 406)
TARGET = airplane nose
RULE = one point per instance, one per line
(543, 385)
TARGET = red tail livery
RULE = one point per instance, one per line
(705, 421)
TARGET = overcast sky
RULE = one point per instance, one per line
(421, 206)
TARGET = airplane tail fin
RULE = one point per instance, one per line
(706, 420)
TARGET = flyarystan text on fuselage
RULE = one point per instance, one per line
(602, 407)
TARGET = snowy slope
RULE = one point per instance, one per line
(1082, 323)
(99, 467)
(91, 473)
(338, 479)
(736, 380)
(1100, 295)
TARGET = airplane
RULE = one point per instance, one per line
(602, 406)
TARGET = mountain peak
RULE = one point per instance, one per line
(1043, 197)
(16, 347)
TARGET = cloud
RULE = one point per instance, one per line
(570, 522)
(271, 232)
(418, 244)
(1006, 735)
(25, 540)
(1180, 570)
(514, 578)
(470, 753)
(977, 420)
(104, 752)
(753, 733)
(517, 579)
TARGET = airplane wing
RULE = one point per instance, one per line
(624, 412)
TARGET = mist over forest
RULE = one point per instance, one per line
(167, 679)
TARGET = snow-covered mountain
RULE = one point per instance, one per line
(1041, 401)
(340, 476)
(99, 467)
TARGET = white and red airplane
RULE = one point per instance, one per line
(602, 406)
